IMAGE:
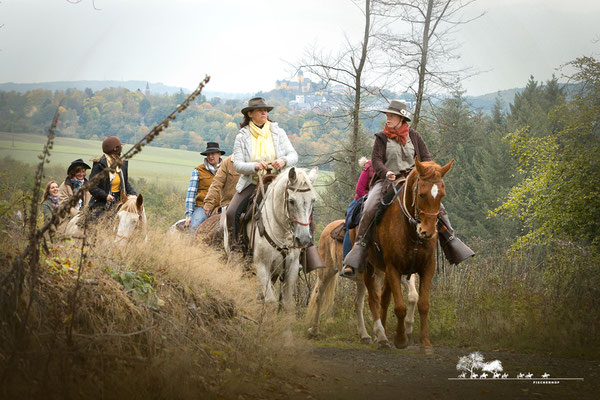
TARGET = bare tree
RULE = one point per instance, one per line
(419, 39)
(350, 76)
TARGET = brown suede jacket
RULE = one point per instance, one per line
(378, 156)
(223, 185)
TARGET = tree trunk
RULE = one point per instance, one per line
(423, 65)
(354, 167)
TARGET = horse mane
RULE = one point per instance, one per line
(430, 171)
(302, 181)
(130, 205)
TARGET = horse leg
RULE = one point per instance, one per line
(393, 279)
(359, 305)
(263, 273)
(423, 305)
(385, 301)
(289, 284)
(413, 297)
(325, 277)
(375, 306)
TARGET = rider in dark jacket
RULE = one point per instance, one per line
(114, 187)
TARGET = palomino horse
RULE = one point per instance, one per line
(323, 294)
(131, 218)
(407, 237)
(285, 215)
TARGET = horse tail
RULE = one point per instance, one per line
(330, 251)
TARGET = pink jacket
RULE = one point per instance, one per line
(362, 186)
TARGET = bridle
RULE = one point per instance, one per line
(283, 248)
(414, 221)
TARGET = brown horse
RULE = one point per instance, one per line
(407, 237)
(321, 299)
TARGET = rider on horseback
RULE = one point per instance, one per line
(259, 145)
(392, 158)
(115, 187)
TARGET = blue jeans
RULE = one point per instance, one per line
(347, 246)
(198, 217)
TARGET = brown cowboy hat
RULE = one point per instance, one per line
(398, 108)
(212, 147)
(257, 102)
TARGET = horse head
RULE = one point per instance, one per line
(299, 198)
(428, 189)
(131, 216)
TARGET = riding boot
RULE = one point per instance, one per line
(454, 249)
(357, 257)
(310, 259)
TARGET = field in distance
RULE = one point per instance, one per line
(157, 165)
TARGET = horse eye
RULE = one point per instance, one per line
(421, 195)
(292, 201)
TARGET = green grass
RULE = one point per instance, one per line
(155, 164)
(161, 166)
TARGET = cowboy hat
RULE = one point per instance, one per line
(212, 147)
(257, 102)
(77, 163)
(398, 108)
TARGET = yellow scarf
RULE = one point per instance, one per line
(262, 143)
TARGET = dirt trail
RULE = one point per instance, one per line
(367, 373)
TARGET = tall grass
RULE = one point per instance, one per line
(164, 318)
(544, 300)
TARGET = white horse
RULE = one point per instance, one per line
(322, 296)
(286, 215)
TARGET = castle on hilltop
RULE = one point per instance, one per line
(303, 85)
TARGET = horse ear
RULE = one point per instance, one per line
(446, 167)
(419, 166)
(140, 201)
(292, 175)
(312, 175)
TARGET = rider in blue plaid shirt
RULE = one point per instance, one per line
(202, 177)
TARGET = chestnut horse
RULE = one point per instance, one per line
(322, 296)
(407, 237)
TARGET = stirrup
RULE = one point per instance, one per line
(345, 274)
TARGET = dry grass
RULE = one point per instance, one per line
(199, 332)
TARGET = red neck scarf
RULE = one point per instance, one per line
(398, 134)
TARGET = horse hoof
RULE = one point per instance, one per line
(366, 340)
(427, 350)
(385, 345)
(401, 344)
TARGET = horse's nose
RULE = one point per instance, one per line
(423, 234)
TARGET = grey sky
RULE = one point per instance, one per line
(244, 44)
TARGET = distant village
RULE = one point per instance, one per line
(314, 96)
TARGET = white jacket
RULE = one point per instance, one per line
(242, 153)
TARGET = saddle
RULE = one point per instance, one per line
(338, 232)
(210, 231)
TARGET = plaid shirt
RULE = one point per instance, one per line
(190, 198)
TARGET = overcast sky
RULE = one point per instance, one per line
(246, 45)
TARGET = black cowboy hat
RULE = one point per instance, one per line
(77, 163)
(257, 102)
(212, 147)
(398, 108)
